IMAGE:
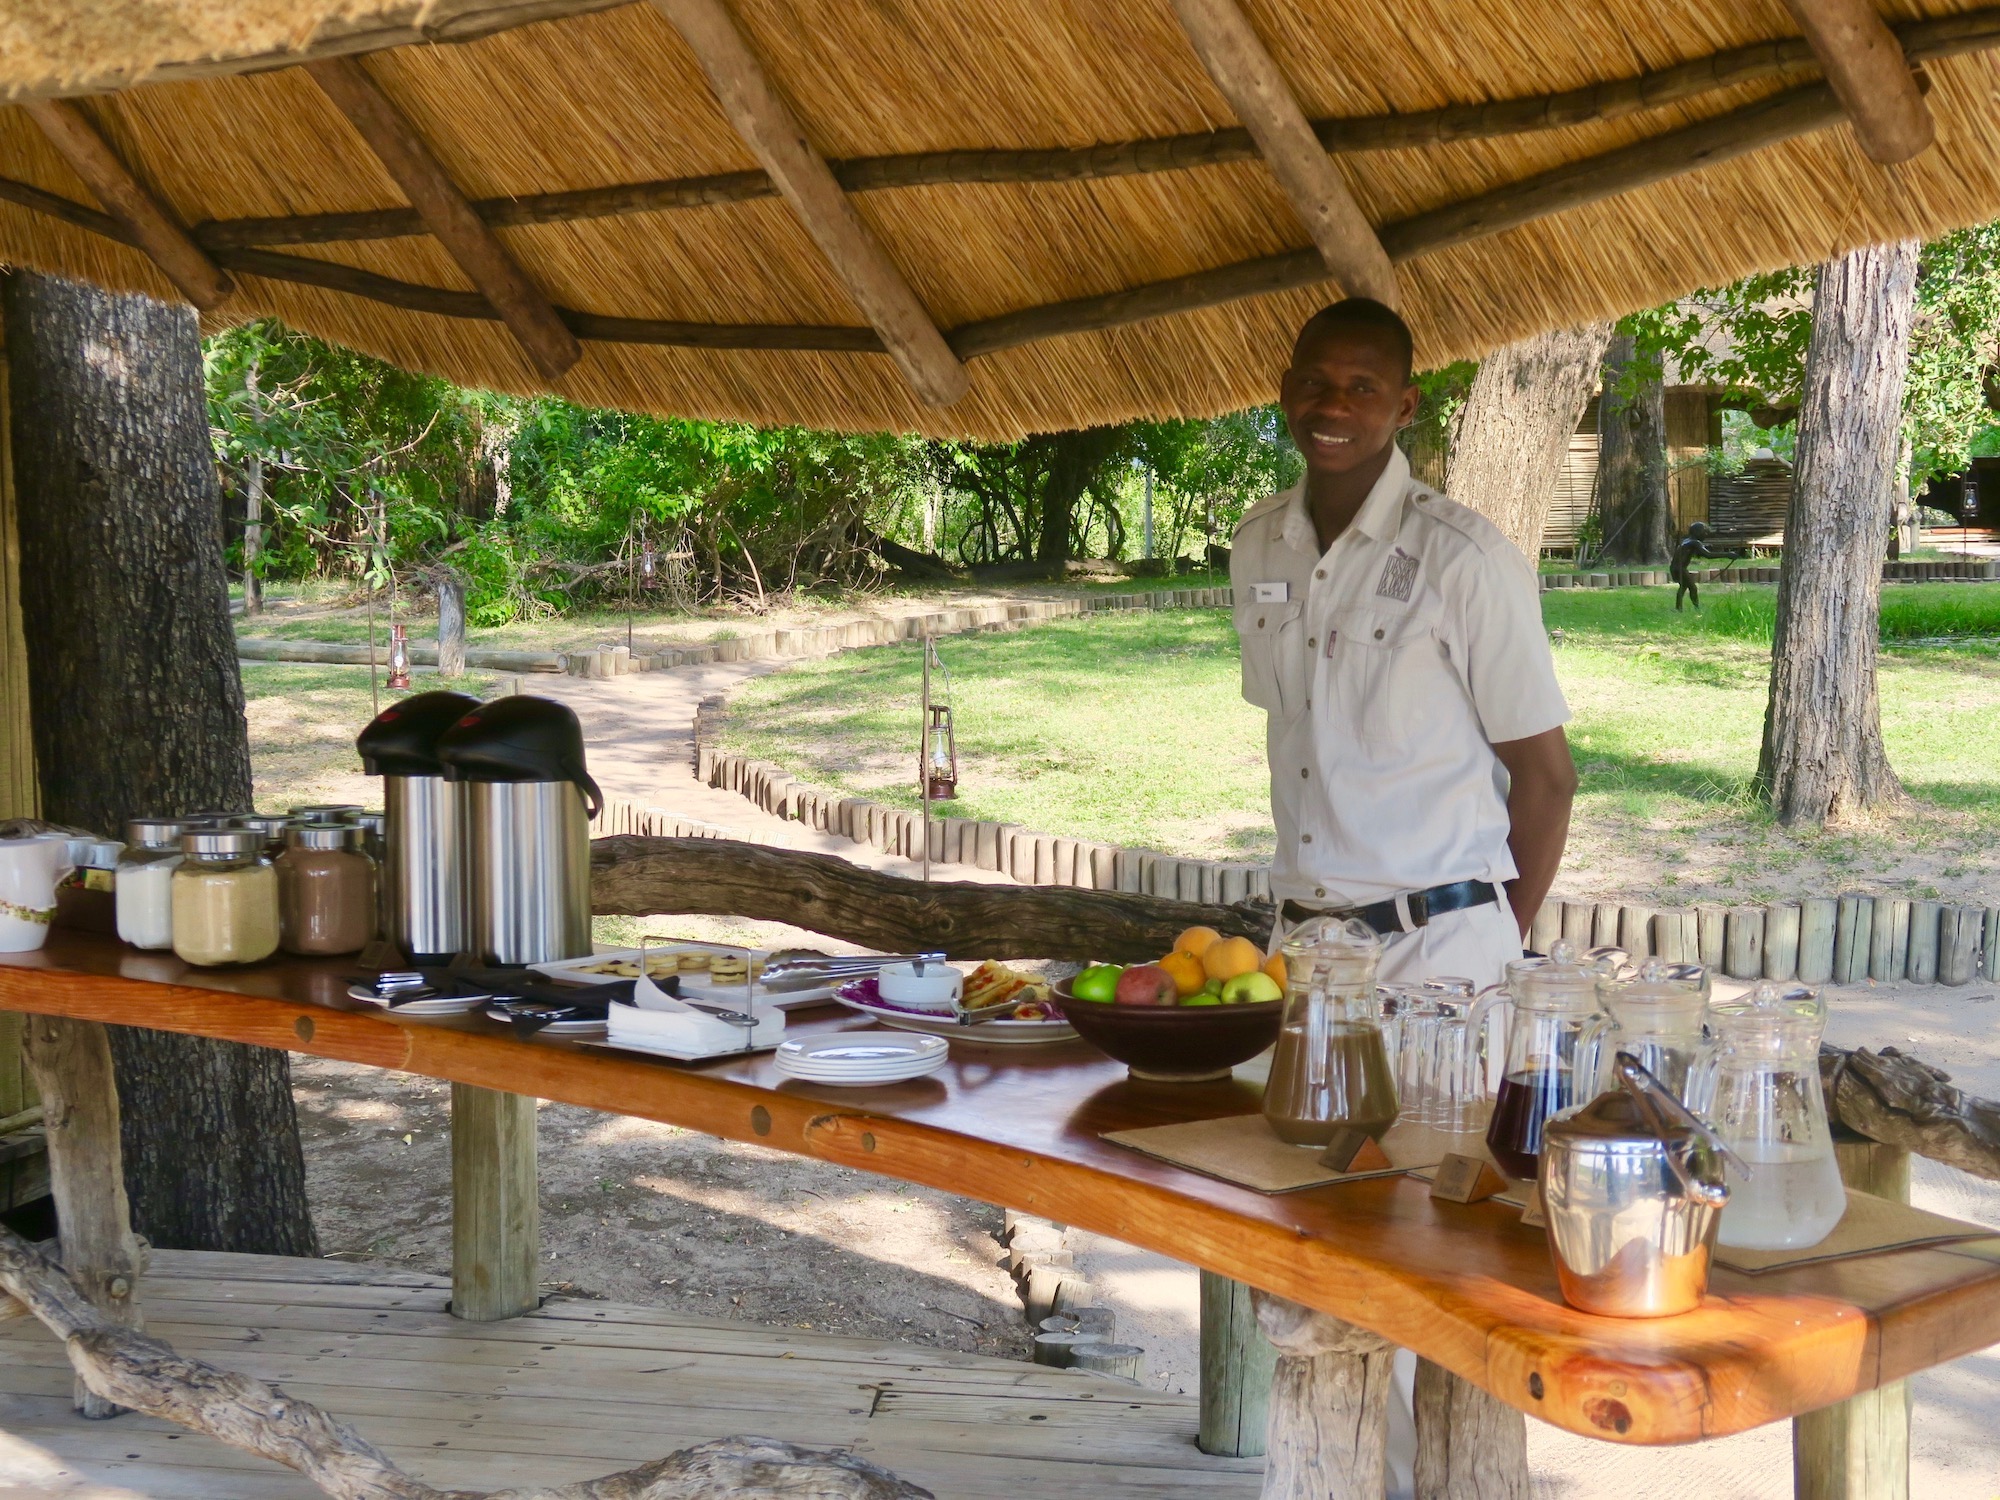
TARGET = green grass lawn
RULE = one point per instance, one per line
(1129, 728)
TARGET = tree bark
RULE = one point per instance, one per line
(253, 510)
(138, 709)
(451, 623)
(1823, 758)
(1632, 458)
(1515, 428)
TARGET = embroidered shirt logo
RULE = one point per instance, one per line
(1399, 577)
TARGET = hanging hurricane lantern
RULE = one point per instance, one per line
(399, 656)
(940, 756)
(649, 567)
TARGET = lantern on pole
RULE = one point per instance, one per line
(940, 756)
(399, 656)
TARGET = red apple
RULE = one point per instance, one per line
(1146, 984)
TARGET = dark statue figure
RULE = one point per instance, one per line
(1691, 546)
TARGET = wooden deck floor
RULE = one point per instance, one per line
(577, 1390)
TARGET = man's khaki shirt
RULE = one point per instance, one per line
(1389, 667)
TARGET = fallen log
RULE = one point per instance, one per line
(1901, 1101)
(134, 1370)
(646, 877)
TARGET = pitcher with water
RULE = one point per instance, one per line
(1656, 1015)
(1553, 1000)
(1331, 1068)
(1757, 1083)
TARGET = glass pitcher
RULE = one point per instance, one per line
(1757, 1083)
(1553, 1000)
(1440, 1060)
(1656, 1015)
(1331, 1068)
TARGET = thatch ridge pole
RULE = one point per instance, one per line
(543, 337)
(1242, 67)
(768, 127)
(151, 225)
(1865, 66)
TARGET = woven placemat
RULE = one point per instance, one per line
(1244, 1150)
(1871, 1226)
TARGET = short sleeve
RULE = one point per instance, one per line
(1509, 669)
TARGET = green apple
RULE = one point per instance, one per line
(1251, 989)
(1213, 987)
(1202, 997)
(1099, 983)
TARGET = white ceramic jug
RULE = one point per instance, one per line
(30, 869)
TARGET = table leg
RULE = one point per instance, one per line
(1859, 1449)
(1470, 1446)
(496, 1216)
(1236, 1367)
(71, 1064)
(1329, 1428)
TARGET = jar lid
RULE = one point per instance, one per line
(1794, 1006)
(328, 812)
(212, 819)
(154, 833)
(318, 835)
(222, 841)
(270, 825)
(374, 820)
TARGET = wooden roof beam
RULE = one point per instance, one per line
(1247, 74)
(1870, 75)
(150, 224)
(522, 306)
(772, 132)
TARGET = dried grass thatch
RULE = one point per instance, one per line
(597, 95)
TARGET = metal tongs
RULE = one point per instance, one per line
(806, 972)
(1663, 1112)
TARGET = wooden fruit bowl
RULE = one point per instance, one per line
(1173, 1043)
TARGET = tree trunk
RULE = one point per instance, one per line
(451, 623)
(1074, 460)
(1632, 459)
(138, 709)
(253, 510)
(1823, 757)
(1515, 429)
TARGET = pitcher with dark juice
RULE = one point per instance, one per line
(1554, 1001)
(1331, 1068)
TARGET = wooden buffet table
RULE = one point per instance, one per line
(1465, 1286)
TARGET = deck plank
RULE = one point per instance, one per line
(581, 1389)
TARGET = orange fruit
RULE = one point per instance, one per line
(1197, 940)
(1231, 956)
(1275, 967)
(1186, 971)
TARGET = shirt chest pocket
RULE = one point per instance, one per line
(1276, 662)
(1382, 670)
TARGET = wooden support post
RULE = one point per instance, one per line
(496, 1216)
(1635, 932)
(1743, 944)
(1604, 925)
(1781, 941)
(1237, 1363)
(1923, 961)
(71, 1064)
(1870, 76)
(1989, 964)
(1959, 936)
(452, 221)
(1853, 939)
(1578, 917)
(1328, 1436)
(150, 223)
(1250, 79)
(1889, 941)
(1819, 920)
(1859, 1449)
(776, 138)
(1547, 926)
(1470, 1446)
(1711, 930)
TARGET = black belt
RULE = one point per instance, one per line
(1419, 906)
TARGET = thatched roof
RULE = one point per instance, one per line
(1162, 272)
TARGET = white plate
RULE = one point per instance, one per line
(861, 1057)
(695, 983)
(1007, 1033)
(442, 1005)
(555, 1028)
(622, 1044)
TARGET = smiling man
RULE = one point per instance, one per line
(1420, 778)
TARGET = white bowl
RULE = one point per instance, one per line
(935, 989)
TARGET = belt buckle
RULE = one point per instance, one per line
(1415, 909)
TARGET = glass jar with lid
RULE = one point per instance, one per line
(225, 898)
(328, 812)
(143, 889)
(326, 890)
(270, 825)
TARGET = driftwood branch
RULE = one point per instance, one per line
(145, 1374)
(637, 877)
(1901, 1101)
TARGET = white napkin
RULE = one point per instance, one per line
(657, 1021)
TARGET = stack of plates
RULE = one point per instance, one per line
(859, 1059)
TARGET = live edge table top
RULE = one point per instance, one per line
(1466, 1286)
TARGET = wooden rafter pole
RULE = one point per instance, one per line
(772, 132)
(1870, 76)
(151, 225)
(1243, 68)
(522, 306)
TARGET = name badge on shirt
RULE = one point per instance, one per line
(1270, 593)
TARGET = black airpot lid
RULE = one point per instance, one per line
(402, 739)
(522, 738)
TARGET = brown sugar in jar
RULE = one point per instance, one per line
(326, 891)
